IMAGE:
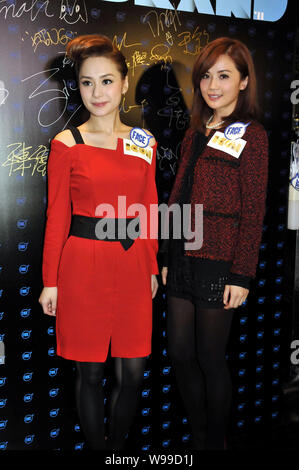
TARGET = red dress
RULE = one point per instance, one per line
(104, 291)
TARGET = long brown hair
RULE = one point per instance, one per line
(95, 45)
(247, 106)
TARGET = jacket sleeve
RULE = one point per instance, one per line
(58, 211)
(253, 185)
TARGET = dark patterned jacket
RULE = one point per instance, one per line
(233, 192)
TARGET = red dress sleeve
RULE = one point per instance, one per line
(58, 210)
(151, 198)
(150, 202)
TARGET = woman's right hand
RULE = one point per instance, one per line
(164, 275)
(48, 300)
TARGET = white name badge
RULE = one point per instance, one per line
(142, 152)
(233, 147)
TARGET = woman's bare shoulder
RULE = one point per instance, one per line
(66, 137)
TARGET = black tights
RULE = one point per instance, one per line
(197, 339)
(124, 401)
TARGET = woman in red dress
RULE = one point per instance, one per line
(100, 288)
(223, 167)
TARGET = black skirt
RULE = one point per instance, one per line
(201, 281)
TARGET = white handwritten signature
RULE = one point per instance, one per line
(70, 12)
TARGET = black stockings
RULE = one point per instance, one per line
(90, 401)
(197, 339)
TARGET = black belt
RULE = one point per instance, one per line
(86, 227)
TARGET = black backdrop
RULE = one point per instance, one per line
(38, 98)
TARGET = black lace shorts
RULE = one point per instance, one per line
(200, 280)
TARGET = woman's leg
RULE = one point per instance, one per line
(212, 332)
(90, 402)
(182, 352)
(125, 398)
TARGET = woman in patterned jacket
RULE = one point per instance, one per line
(223, 166)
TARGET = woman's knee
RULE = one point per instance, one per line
(210, 361)
(181, 354)
(90, 373)
(132, 372)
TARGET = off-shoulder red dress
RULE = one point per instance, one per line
(104, 291)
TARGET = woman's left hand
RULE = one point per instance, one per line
(155, 285)
(234, 296)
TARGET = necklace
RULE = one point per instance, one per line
(212, 126)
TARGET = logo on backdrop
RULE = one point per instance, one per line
(29, 439)
(28, 418)
(261, 10)
(3, 402)
(26, 334)
(27, 377)
(54, 412)
(25, 312)
(28, 397)
(24, 290)
(2, 381)
(23, 269)
(22, 246)
(27, 355)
